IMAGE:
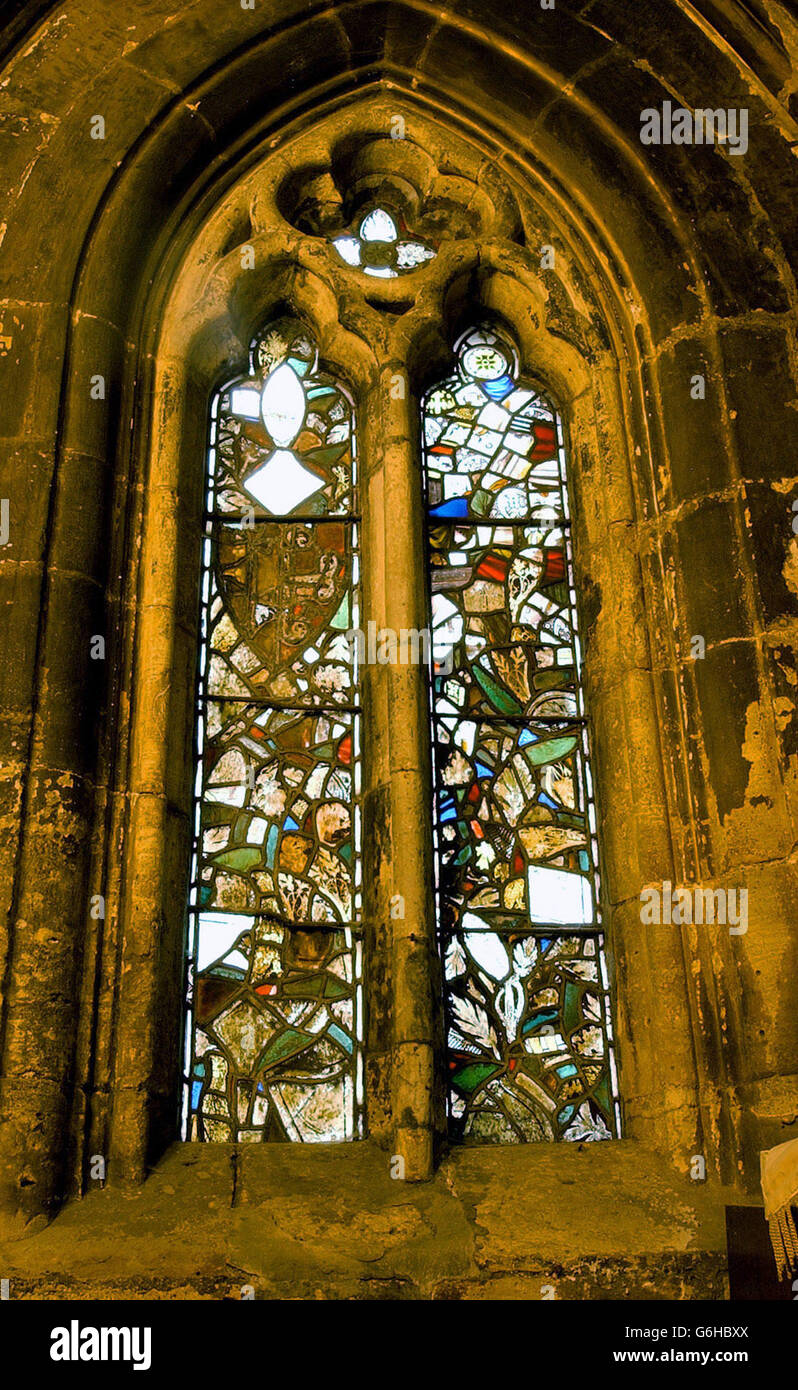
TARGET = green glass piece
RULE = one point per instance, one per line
(246, 857)
(314, 506)
(558, 592)
(542, 1017)
(572, 819)
(338, 1035)
(554, 678)
(549, 750)
(602, 1094)
(481, 502)
(572, 1007)
(327, 455)
(225, 972)
(341, 620)
(319, 985)
(475, 1074)
(499, 697)
(286, 1044)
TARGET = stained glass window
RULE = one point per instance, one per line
(275, 1016)
(382, 246)
(529, 1043)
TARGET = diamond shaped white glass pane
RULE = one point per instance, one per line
(282, 483)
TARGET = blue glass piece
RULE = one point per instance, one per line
(539, 1019)
(339, 1036)
(499, 388)
(271, 845)
(456, 507)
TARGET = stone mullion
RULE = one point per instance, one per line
(395, 598)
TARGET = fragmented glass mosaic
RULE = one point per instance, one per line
(284, 442)
(281, 602)
(275, 1000)
(382, 246)
(530, 1050)
(527, 1020)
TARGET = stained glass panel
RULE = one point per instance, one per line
(281, 602)
(284, 443)
(275, 999)
(275, 1010)
(528, 1035)
(529, 1030)
(381, 245)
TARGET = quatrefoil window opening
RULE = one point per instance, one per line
(378, 247)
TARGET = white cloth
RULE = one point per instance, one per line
(779, 1175)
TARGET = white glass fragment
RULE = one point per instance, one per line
(378, 226)
(283, 404)
(410, 253)
(245, 400)
(348, 248)
(486, 947)
(558, 896)
(218, 933)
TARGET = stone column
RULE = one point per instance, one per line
(396, 599)
(70, 650)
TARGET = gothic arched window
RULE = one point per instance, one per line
(529, 1042)
(274, 1033)
(274, 1042)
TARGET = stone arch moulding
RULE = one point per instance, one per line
(578, 333)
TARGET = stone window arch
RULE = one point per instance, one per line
(263, 248)
(388, 339)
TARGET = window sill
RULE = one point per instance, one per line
(607, 1221)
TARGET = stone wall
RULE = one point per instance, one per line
(120, 257)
